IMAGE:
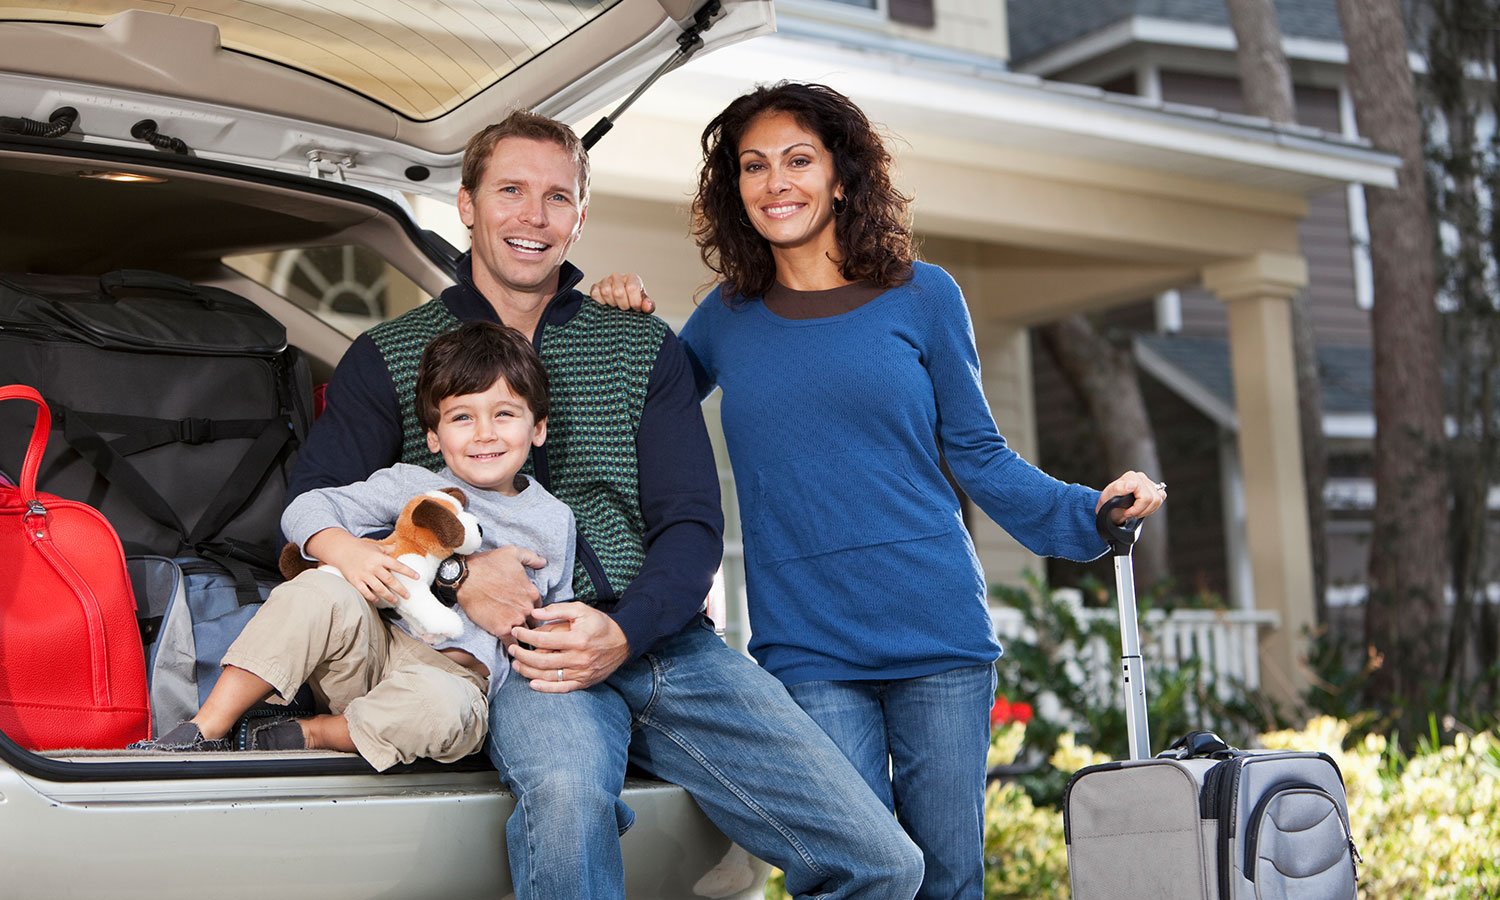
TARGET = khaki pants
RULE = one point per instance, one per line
(402, 699)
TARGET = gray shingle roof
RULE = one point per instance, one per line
(1037, 26)
(1348, 371)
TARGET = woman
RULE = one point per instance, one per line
(850, 374)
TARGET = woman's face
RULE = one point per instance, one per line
(788, 184)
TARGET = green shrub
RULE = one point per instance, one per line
(1427, 826)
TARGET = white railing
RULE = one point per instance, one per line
(1224, 642)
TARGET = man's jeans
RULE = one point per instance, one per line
(921, 744)
(701, 715)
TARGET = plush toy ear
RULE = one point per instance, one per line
(456, 494)
(436, 517)
(292, 563)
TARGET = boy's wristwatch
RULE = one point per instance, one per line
(451, 573)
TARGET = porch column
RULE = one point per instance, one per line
(1257, 292)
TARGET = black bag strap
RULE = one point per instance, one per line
(140, 433)
(97, 452)
(246, 587)
(1200, 745)
(207, 296)
(271, 437)
(243, 482)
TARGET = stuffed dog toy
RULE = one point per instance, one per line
(431, 527)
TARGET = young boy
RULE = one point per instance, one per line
(482, 401)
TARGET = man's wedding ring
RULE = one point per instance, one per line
(559, 675)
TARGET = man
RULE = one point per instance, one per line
(637, 674)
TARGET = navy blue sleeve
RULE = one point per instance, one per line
(360, 428)
(679, 486)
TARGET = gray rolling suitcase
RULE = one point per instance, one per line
(1202, 821)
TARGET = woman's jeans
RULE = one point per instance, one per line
(921, 744)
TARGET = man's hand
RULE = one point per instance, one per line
(573, 658)
(497, 596)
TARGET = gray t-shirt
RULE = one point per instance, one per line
(533, 519)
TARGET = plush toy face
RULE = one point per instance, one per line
(486, 437)
(436, 524)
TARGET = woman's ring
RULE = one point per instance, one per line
(559, 675)
(1161, 486)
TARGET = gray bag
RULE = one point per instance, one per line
(190, 611)
(1202, 821)
(1236, 825)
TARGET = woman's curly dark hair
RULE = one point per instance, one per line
(873, 229)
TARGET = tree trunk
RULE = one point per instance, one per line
(1404, 610)
(1266, 82)
(1104, 377)
(1265, 78)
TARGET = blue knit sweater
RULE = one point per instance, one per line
(857, 562)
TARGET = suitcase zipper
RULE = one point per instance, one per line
(1220, 792)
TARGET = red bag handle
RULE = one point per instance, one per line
(38, 444)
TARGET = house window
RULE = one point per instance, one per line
(906, 12)
(912, 12)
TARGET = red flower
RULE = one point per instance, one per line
(1020, 712)
(1000, 712)
(1005, 712)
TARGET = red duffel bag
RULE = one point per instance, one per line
(72, 671)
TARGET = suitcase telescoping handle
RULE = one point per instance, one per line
(1121, 538)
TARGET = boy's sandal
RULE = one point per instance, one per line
(185, 738)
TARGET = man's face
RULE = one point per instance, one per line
(525, 214)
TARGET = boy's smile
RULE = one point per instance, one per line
(485, 437)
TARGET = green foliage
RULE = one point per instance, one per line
(1025, 856)
(1427, 824)
(1341, 670)
(1045, 673)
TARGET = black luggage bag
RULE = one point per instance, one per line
(177, 408)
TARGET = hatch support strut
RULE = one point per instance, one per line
(688, 43)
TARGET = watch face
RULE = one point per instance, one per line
(448, 569)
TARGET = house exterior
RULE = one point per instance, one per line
(1042, 199)
(1182, 52)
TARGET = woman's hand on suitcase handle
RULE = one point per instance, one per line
(363, 563)
(1149, 496)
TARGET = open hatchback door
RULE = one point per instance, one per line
(269, 149)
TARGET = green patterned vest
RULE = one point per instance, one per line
(598, 366)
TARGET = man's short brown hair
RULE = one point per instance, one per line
(523, 124)
(470, 359)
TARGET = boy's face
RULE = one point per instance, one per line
(485, 438)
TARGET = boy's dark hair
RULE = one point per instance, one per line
(470, 359)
